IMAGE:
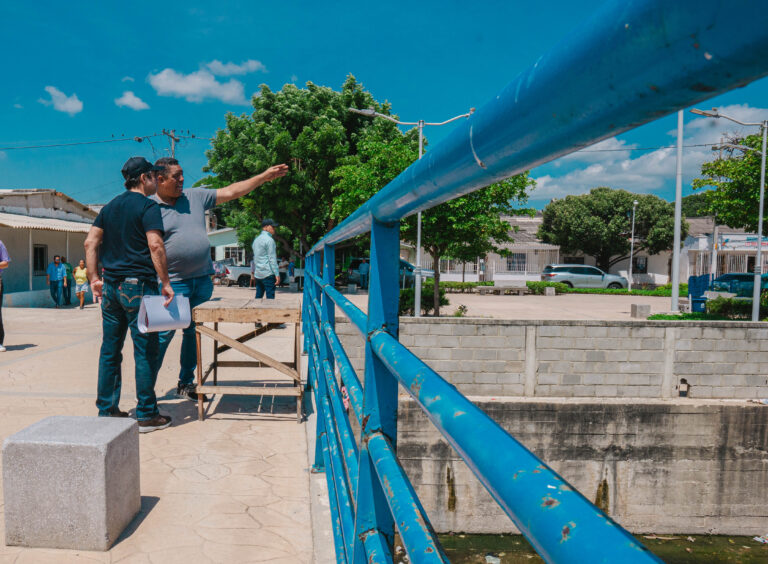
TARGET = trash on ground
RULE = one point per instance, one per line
(491, 559)
(762, 538)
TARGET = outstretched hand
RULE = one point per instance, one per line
(273, 172)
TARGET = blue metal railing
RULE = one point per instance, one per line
(633, 62)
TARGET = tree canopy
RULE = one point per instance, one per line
(309, 129)
(696, 205)
(736, 180)
(599, 224)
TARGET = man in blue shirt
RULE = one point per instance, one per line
(265, 269)
(56, 278)
(364, 269)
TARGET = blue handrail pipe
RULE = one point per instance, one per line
(633, 62)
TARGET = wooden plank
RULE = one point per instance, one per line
(279, 366)
(247, 337)
(247, 364)
(246, 315)
(249, 390)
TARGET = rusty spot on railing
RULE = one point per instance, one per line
(566, 533)
(550, 502)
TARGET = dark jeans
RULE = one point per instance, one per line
(198, 290)
(68, 292)
(363, 280)
(56, 286)
(2, 329)
(266, 285)
(120, 304)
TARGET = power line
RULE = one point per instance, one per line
(137, 139)
(643, 148)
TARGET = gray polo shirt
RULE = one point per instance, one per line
(186, 239)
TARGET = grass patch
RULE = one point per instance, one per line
(695, 316)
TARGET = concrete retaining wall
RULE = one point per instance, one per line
(662, 466)
(598, 401)
(637, 359)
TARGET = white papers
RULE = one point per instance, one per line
(154, 316)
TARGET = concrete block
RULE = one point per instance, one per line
(640, 311)
(486, 354)
(464, 354)
(71, 482)
(549, 291)
(488, 330)
(351, 288)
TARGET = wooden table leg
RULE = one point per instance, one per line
(200, 414)
(215, 354)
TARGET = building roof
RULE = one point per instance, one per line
(703, 227)
(16, 221)
(527, 229)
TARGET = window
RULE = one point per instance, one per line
(573, 260)
(237, 254)
(516, 262)
(639, 265)
(39, 259)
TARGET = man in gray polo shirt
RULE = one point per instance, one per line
(188, 249)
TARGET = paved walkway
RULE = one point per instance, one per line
(235, 488)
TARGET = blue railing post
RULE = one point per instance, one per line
(374, 527)
(328, 308)
(310, 296)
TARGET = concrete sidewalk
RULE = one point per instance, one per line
(234, 488)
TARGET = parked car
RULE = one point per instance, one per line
(740, 283)
(582, 276)
(240, 275)
(406, 273)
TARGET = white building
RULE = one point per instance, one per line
(35, 225)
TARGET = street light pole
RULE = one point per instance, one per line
(632, 246)
(678, 216)
(759, 258)
(420, 124)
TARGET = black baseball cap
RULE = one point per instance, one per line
(136, 166)
(269, 221)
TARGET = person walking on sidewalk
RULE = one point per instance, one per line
(67, 290)
(189, 250)
(128, 236)
(56, 278)
(5, 259)
(265, 269)
(81, 282)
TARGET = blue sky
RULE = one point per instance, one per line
(82, 71)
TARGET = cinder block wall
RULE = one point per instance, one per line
(589, 359)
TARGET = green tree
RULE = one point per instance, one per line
(599, 224)
(736, 179)
(464, 228)
(696, 205)
(308, 128)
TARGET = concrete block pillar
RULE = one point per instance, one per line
(71, 482)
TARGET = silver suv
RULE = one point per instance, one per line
(582, 276)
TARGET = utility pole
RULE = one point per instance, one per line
(172, 136)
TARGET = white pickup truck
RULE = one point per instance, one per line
(241, 275)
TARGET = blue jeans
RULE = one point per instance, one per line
(68, 292)
(120, 304)
(198, 290)
(363, 280)
(55, 288)
(265, 285)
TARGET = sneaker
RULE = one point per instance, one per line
(118, 413)
(2, 348)
(189, 391)
(155, 424)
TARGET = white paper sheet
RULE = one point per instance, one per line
(154, 316)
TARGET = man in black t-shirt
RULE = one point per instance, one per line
(128, 232)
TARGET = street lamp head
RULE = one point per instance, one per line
(712, 113)
(370, 112)
(635, 203)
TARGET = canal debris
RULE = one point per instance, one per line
(762, 538)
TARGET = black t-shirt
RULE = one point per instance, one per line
(124, 248)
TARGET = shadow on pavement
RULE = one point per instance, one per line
(148, 503)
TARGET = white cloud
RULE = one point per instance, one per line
(294, 78)
(130, 100)
(612, 162)
(228, 69)
(197, 86)
(61, 102)
(18, 106)
(127, 79)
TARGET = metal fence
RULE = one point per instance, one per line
(633, 62)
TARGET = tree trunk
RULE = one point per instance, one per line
(436, 285)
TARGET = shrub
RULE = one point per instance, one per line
(427, 300)
(538, 287)
(732, 308)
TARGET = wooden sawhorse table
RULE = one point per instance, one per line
(264, 316)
